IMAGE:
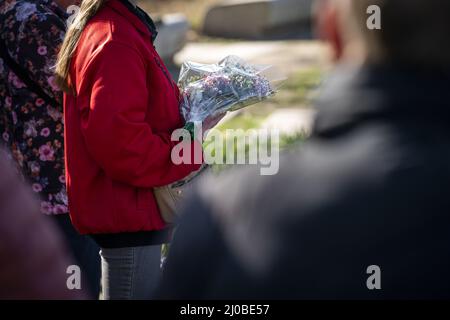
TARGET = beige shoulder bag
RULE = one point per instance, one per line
(170, 197)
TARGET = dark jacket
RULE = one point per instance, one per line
(33, 260)
(370, 187)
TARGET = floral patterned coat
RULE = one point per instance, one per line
(31, 129)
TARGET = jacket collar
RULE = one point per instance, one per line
(127, 10)
(352, 96)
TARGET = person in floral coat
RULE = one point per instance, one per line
(31, 127)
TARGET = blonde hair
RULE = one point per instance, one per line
(87, 10)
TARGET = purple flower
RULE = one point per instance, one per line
(5, 136)
(18, 83)
(37, 187)
(14, 117)
(42, 50)
(62, 179)
(59, 209)
(46, 207)
(30, 128)
(52, 82)
(39, 102)
(35, 168)
(61, 197)
(15, 81)
(8, 101)
(54, 113)
(45, 132)
(46, 153)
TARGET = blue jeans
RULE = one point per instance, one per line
(130, 273)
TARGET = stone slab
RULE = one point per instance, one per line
(254, 18)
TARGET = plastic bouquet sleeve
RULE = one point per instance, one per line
(208, 90)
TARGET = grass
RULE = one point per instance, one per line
(230, 149)
(299, 89)
(230, 146)
(244, 120)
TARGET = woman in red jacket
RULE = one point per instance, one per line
(121, 106)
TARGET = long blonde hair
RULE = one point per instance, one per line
(87, 10)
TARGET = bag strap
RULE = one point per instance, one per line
(22, 75)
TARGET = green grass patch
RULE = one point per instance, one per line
(230, 146)
(243, 120)
(299, 89)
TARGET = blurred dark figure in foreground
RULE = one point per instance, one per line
(365, 203)
(31, 114)
(33, 261)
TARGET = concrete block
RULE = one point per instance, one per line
(254, 18)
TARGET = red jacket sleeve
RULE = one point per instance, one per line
(114, 126)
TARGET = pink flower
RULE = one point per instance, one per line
(39, 102)
(35, 168)
(59, 209)
(62, 179)
(46, 207)
(5, 136)
(45, 132)
(42, 50)
(8, 101)
(14, 117)
(30, 128)
(15, 81)
(18, 83)
(54, 113)
(52, 82)
(37, 187)
(46, 153)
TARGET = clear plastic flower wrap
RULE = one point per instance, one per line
(209, 90)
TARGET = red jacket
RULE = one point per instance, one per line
(118, 126)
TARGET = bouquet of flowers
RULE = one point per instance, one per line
(211, 90)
